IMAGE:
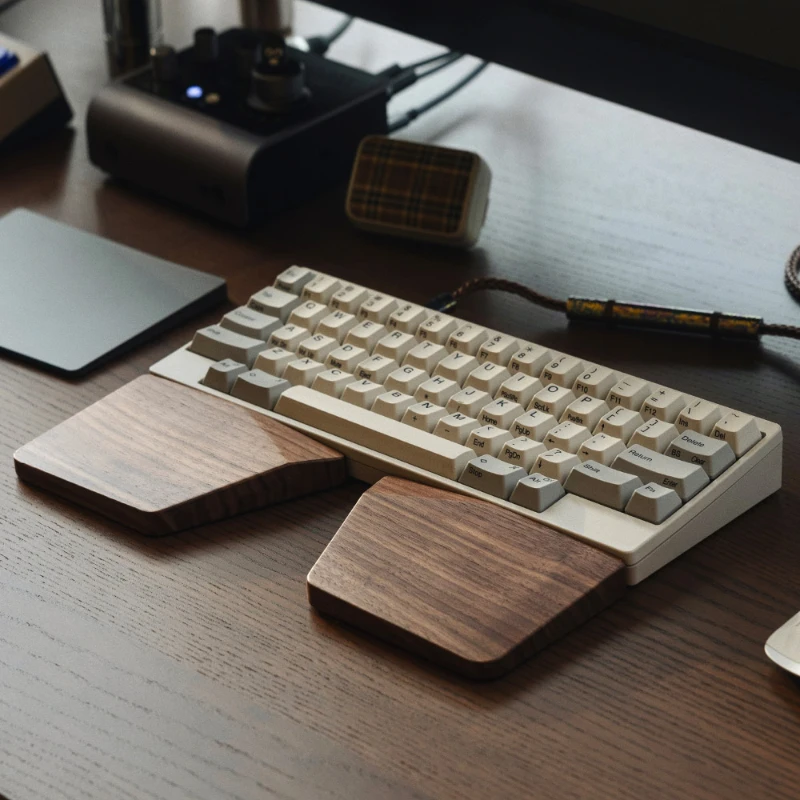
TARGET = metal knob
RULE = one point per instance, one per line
(206, 46)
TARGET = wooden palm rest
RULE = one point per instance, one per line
(474, 587)
(161, 457)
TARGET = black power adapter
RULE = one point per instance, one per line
(239, 126)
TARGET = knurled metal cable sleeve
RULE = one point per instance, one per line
(501, 285)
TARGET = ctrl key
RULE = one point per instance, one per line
(653, 503)
(537, 492)
(491, 475)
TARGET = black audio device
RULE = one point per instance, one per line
(238, 126)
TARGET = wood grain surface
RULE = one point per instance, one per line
(458, 580)
(161, 457)
(665, 694)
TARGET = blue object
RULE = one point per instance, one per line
(194, 92)
(8, 60)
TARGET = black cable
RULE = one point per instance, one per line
(403, 77)
(411, 115)
(414, 65)
(320, 44)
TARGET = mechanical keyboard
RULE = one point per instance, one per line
(640, 470)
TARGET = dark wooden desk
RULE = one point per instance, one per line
(192, 667)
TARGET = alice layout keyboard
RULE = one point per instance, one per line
(638, 469)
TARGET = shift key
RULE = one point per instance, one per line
(686, 479)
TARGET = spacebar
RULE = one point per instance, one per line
(374, 431)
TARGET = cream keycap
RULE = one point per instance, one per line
(456, 427)
(437, 389)
(250, 322)
(602, 484)
(406, 379)
(376, 368)
(522, 451)
(318, 347)
(468, 401)
(362, 393)
(259, 388)
(654, 435)
(321, 289)
(425, 356)
(567, 436)
(553, 399)
(407, 318)
(537, 492)
(456, 366)
(629, 393)
(500, 413)
(223, 374)
(586, 411)
(594, 381)
(274, 302)
(620, 422)
(337, 325)
(562, 371)
(699, 416)
(488, 439)
(714, 456)
(289, 336)
(374, 431)
(686, 479)
(467, 339)
(218, 343)
(332, 382)
(302, 371)
(346, 358)
(365, 335)
(601, 448)
(424, 415)
(534, 424)
(487, 377)
(498, 349)
(436, 328)
(393, 404)
(349, 298)
(395, 345)
(653, 503)
(530, 359)
(377, 307)
(274, 360)
(490, 475)
(520, 388)
(663, 404)
(740, 431)
(556, 464)
(294, 278)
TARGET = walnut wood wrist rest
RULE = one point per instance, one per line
(462, 582)
(161, 457)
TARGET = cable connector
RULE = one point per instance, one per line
(442, 302)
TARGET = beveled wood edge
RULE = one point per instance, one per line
(162, 522)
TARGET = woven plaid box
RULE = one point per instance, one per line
(418, 191)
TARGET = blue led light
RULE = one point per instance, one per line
(194, 92)
(7, 60)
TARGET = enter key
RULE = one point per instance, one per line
(686, 479)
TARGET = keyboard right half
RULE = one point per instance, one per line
(635, 468)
